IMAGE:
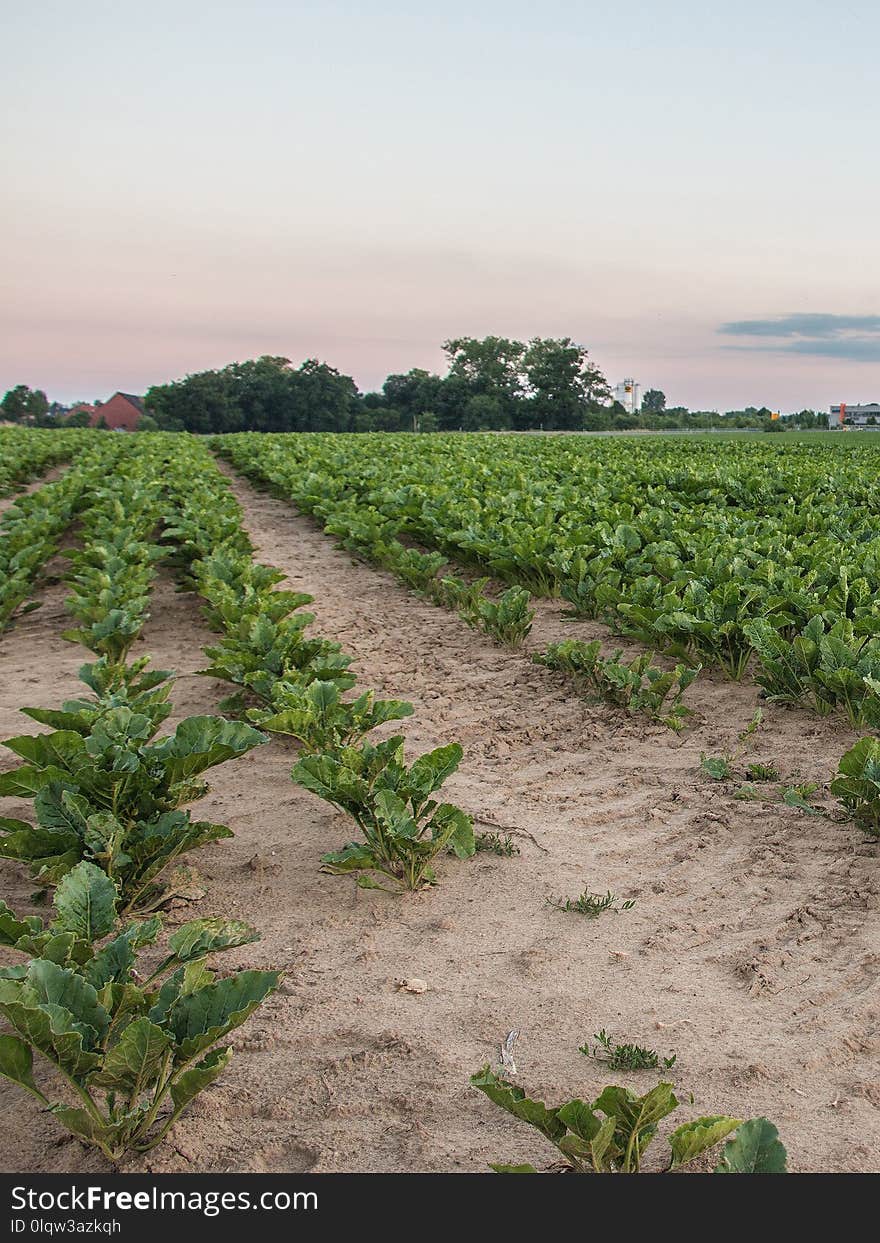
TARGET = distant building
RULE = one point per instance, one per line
(121, 413)
(855, 416)
(627, 393)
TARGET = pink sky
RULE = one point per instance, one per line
(191, 186)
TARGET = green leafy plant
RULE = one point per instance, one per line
(798, 796)
(637, 686)
(625, 1056)
(317, 717)
(112, 796)
(718, 767)
(591, 904)
(257, 652)
(836, 669)
(746, 793)
(496, 844)
(404, 828)
(143, 691)
(858, 784)
(130, 1046)
(509, 618)
(762, 772)
(611, 1135)
(755, 1149)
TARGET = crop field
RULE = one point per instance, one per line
(359, 793)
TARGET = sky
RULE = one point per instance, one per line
(690, 190)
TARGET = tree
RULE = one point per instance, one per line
(564, 384)
(491, 367)
(79, 418)
(412, 393)
(654, 401)
(24, 405)
(264, 394)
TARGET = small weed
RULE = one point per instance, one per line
(496, 843)
(591, 904)
(625, 1056)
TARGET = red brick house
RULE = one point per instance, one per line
(121, 412)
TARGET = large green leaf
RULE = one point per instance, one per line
(12, 928)
(27, 780)
(688, 1141)
(755, 1149)
(50, 1029)
(86, 902)
(579, 1118)
(430, 771)
(133, 1063)
(200, 742)
(193, 1080)
(17, 1063)
(63, 749)
(206, 936)
(199, 1019)
(59, 986)
(512, 1098)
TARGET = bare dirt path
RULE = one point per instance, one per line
(751, 951)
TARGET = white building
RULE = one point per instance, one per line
(627, 393)
(855, 416)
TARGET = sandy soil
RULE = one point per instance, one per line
(751, 951)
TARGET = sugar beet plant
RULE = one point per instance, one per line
(858, 784)
(109, 792)
(637, 686)
(320, 720)
(129, 1045)
(404, 828)
(612, 1134)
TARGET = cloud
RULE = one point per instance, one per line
(856, 337)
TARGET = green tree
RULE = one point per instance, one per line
(24, 405)
(563, 383)
(654, 401)
(491, 367)
(79, 418)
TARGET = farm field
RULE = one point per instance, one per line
(694, 784)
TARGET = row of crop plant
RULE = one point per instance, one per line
(25, 454)
(31, 530)
(128, 1035)
(293, 684)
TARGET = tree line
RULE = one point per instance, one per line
(491, 384)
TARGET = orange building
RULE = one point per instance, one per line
(121, 412)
